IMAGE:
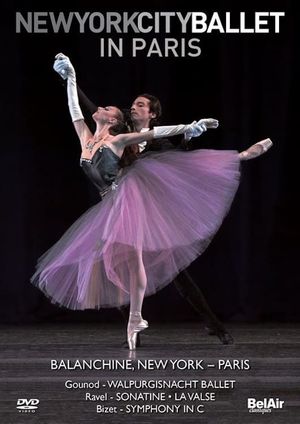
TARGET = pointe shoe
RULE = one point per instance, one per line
(256, 149)
(138, 342)
(135, 325)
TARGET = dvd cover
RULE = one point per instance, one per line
(150, 224)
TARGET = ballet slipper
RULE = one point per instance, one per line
(256, 149)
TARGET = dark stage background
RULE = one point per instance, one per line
(250, 83)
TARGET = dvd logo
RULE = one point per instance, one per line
(27, 404)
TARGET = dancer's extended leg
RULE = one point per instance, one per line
(191, 292)
(138, 281)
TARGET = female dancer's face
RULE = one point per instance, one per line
(107, 114)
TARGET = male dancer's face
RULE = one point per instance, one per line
(140, 113)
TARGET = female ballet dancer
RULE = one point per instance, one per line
(143, 233)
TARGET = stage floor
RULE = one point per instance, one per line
(179, 375)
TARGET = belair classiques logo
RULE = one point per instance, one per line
(264, 406)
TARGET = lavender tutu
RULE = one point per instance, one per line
(166, 209)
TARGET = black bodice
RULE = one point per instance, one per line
(102, 169)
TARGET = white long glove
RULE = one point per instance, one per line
(195, 129)
(209, 123)
(65, 69)
(204, 124)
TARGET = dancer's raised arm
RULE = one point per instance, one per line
(195, 129)
(65, 69)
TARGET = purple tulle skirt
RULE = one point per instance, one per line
(165, 210)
